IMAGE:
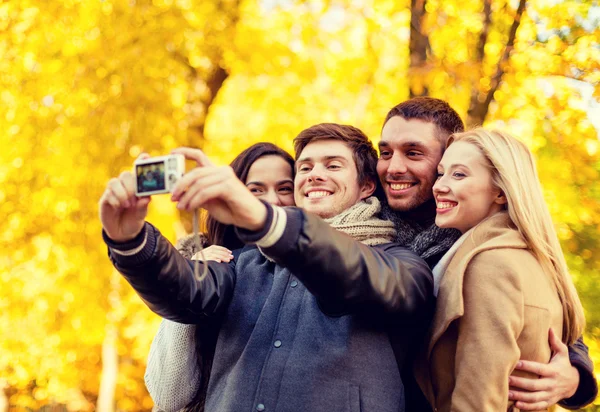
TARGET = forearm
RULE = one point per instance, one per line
(165, 280)
(587, 389)
(336, 268)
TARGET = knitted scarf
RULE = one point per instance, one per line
(425, 240)
(362, 223)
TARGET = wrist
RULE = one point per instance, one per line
(123, 242)
(572, 389)
(257, 218)
(116, 238)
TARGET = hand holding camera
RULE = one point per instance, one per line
(122, 213)
(124, 203)
(218, 190)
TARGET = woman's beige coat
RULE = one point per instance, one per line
(495, 306)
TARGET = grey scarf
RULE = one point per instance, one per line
(425, 240)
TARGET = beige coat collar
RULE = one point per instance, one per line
(495, 232)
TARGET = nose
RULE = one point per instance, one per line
(398, 165)
(440, 186)
(272, 198)
(317, 174)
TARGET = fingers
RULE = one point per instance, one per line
(202, 190)
(194, 154)
(120, 192)
(199, 198)
(537, 406)
(192, 178)
(109, 199)
(218, 249)
(556, 344)
(215, 253)
(540, 369)
(141, 203)
(538, 396)
(528, 384)
(204, 184)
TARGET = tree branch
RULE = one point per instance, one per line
(419, 44)
(478, 111)
(487, 21)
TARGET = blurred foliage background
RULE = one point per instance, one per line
(86, 85)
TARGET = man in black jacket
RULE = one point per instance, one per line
(413, 139)
(311, 319)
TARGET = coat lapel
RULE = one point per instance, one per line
(493, 233)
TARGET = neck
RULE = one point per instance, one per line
(424, 214)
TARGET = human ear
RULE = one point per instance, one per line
(367, 189)
(501, 198)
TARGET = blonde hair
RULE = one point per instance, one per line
(514, 172)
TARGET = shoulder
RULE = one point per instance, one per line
(397, 251)
(500, 267)
(503, 258)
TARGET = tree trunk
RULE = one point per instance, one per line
(477, 95)
(480, 104)
(110, 371)
(214, 83)
(419, 43)
(3, 397)
(110, 356)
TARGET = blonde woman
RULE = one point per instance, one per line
(504, 283)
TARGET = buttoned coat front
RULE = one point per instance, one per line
(495, 306)
(324, 324)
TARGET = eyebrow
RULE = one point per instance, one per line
(310, 159)
(454, 165)
(412, 144)
(280, 182)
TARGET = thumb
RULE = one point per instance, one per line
(556, 344)
(141, 203)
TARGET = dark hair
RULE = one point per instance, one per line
(224, 235)
(363, 152)
(431, 110)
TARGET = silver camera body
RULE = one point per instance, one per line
(158, 175)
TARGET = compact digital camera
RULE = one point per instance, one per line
(158, 175)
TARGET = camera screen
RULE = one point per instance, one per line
(150, 177)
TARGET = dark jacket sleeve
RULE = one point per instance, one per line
(166, 282)
(588, 387)
(342, 272)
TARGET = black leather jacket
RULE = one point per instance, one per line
(387, 286)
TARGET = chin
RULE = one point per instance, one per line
(397, 205)
(317, 211)
(442, 224)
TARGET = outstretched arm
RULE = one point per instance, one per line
(165, 280)
(344, 273)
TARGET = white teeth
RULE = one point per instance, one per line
(446, 205)
(318, 193)
(400, 186)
